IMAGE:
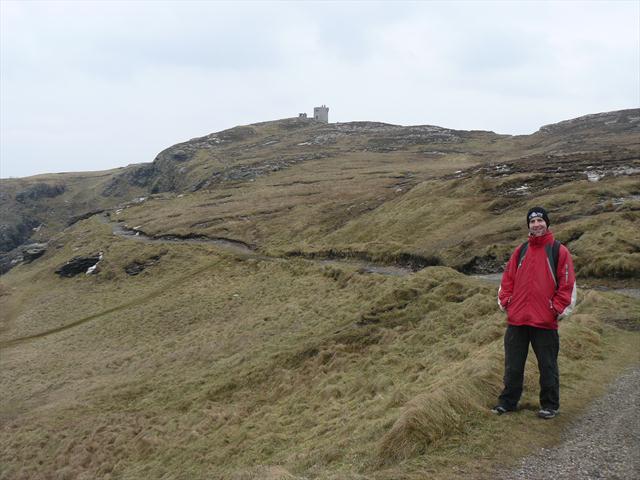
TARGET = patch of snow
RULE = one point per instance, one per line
(595, 176)
(94, 268)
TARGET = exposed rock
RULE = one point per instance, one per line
(180, 156)
(620, 120)
(13, 235)
(252, 171)
(33, 251)
(483, 265)
(84, 216)
(137, 176)
(410, 261)
(135, 267)
(9, 260)
(40, 190)
(78, 265)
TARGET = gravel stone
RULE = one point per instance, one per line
(604, 443)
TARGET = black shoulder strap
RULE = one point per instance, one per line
(521, 253)
(553, 252)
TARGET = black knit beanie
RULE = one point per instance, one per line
(538, 212)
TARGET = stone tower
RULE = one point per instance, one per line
(321, 114)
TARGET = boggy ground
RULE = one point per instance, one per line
(213, 365)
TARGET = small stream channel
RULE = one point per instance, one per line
(242, 248)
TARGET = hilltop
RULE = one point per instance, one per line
(297, 300)
(363, 188)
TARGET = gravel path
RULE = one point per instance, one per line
(604, 443)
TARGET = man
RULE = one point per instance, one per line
(535, 297)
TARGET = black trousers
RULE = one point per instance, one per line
(546, 345)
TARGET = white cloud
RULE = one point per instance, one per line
(94, 85)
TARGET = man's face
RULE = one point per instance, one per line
(537, 226)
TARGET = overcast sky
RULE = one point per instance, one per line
(92, 85)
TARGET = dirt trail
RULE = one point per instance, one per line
(628, 292)
(238, 248)
(603, 443)
(242, 248)
(140, 300)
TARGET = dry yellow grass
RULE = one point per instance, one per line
(210, 365)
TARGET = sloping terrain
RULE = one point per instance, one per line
(301, 186)
(184, 359)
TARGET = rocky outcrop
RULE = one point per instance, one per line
(482, 265)
(618, 121)
(84, 216)
(33, 251)
(167, 171)
(26, 254)
(13, 235)
(79, 265)
(38, 191)
(135, 176)
(136, 267)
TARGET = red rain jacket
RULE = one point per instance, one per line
(529, 293)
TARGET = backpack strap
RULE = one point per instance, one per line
(521, 253)
(553, 252)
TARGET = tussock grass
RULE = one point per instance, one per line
(441, 411)
(222, 366)
(264, 473)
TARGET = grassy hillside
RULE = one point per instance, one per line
(208, 365)
(291, 184)
(468, 218)
(217, 364)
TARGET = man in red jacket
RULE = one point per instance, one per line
(535, 296)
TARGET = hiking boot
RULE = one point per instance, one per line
(547, 413)
(499, 410)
